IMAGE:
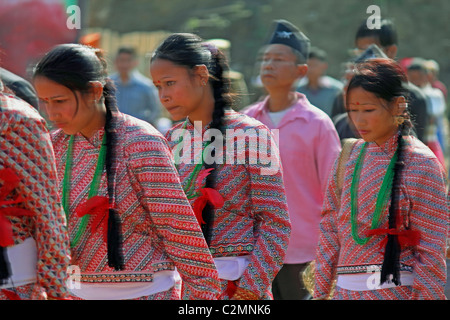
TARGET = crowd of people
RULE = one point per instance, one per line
(343, 179)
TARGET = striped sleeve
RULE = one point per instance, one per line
(163, 198)
(269, 206)
(328, 248)
(27, 149)
(430, 216)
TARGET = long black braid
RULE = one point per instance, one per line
(222, 101)
(392, 250)
(114, 234)
(114, 242)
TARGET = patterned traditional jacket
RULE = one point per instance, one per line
(25, 147)
(254, 218)
(423, 208)
(159, 229)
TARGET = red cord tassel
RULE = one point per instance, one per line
(208, 195)
(406, 238)
(98, 208)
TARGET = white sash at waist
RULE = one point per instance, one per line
(162, 281)
(22, 260)
(231, 268)
(370, 281)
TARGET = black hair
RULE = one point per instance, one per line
(127, 50)
(384, 77)
(317, 53)
(189, 50)
(386, 34)
(75, 66)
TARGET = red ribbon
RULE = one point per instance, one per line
(406, 238)
(97, 207)
(208, 195)
(10, 181)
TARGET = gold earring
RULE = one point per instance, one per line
(399, 120)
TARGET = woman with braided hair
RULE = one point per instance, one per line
(384, 224)
(132, 230)
(241, 207)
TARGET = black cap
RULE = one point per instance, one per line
(288, 34)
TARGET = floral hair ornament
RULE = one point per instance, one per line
(211, 47)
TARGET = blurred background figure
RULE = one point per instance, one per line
(436, 138)
(433, 76)
(319, 88)
(237, 80)
(136, 94)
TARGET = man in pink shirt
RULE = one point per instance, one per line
(309, 146)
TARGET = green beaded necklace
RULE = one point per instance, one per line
(93, 189)
(382, 199)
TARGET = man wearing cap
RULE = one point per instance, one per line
(308, 144)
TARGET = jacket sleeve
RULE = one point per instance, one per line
(164, 199)
(272, 224)
(327, 150)
(327, 253)
(430, 216)
(33, 161)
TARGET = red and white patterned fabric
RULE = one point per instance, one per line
(26, 149)
(423, 208)
(254, 219)
(159, 229)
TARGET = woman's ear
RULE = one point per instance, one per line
(400, 106)
(202, 72)
(302, 70)
(96, 90)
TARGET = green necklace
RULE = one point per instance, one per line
(189, 187)
(382, 199)
(93, 190)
